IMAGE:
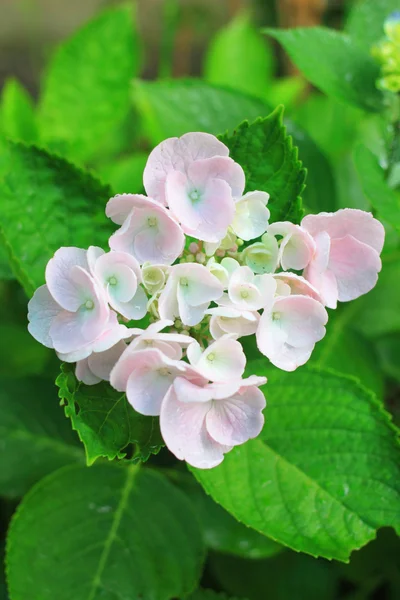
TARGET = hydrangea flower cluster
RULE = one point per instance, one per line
(200, 257)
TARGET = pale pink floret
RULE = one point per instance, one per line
(112, 334)
(194, 195)
(230, 320)
(119, 275)
(346, 261)
(248, 292)
(189, 290)
(289, 329)
(176, 154)
(146, 376)
(220, 362)
(170, 344)
(200, 424)
(98, 366)
(148, 231)
(296, 247)
(70, 313)
(291, 283)
(251, 215)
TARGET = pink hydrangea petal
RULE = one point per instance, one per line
(135, 309)
(119, 207)
(252, 215)
(190, 315)
(303, 318)
(290, 358)
(175, 154)
(84, 373)
(201, 286)
(93, 253)
(168, 307)
(237, 419)
(42, 309)
(145, 390)
(348, 221)
(298, 285)
(184, 432)
(297, 246)
(123, 270)
(149, 233)
(199, 218)
(58, 279)
(102, 363)
(218, 167)
(141, 361)
(222, 361)
(326, 284)
(355, 266)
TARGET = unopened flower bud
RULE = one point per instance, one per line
(200, 257)
(194, 248)
(262, 257)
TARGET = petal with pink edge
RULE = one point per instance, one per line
(64, 290)
(184, 432)
(42, 309)
(355, 266)
(348, 221)
(84, 373)
(175, 154)
(237, 419)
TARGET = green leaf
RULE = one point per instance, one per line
(372, 177)
(18, 119)
(36, 438)
(347, 352)
(334, 63)
(221, 531)
(388, 350)
(270, 163)
(320, 191)
(101, 533)
(324, 473)
(86, 91)
(20, 354)
(202, 594)
(366, 18)
(105, 421)
(378, 312)
(46, 203)
(125, 174)
(240, 58)
(287, 576)
(174, 107)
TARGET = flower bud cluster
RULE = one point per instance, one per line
(388, 54)
(199, 256)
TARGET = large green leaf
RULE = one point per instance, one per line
(287, 576)
(125, 174)
(86, 90)
(174, 107)
(270, 163)
(36, 438)
(17, 115)
(240, 58)
(45, 203)
(105, 421)
(203, 594)
(103, 533)
(366, 18)
(348, 352)
(372, 177)
(221, 531)
(323, 475)
(334, 63)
